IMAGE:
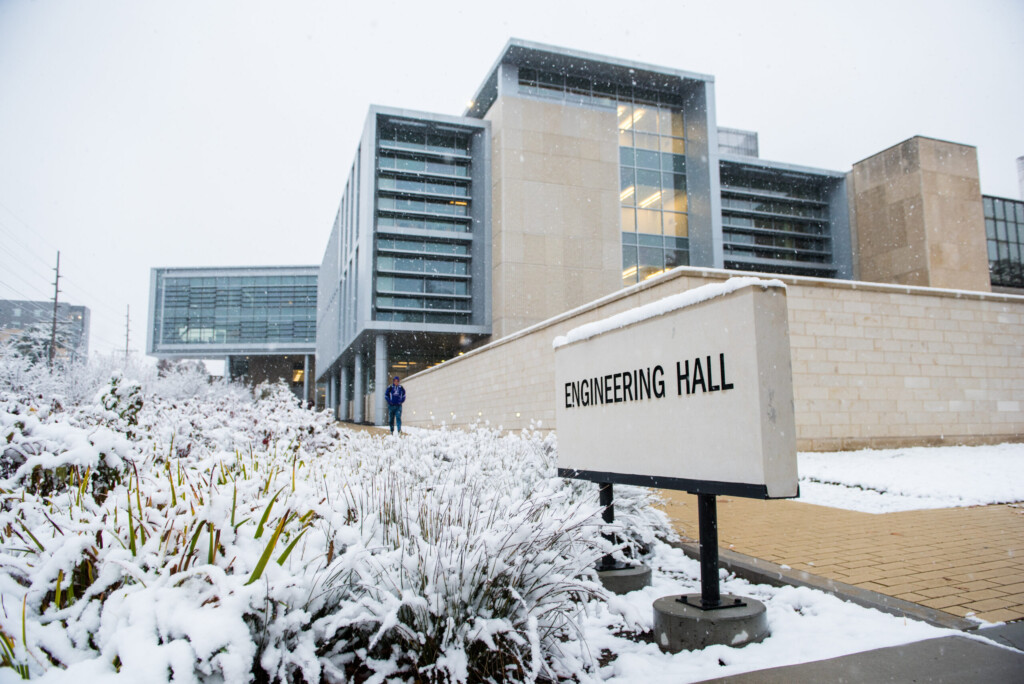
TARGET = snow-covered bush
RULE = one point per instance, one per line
(206, 534)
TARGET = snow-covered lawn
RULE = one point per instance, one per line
(890, 480)
(203, 535)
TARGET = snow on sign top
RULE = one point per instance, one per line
(662, 306)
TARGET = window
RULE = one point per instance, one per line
(652, 187)
(1004, 228)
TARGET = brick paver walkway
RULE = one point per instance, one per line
(959, 560)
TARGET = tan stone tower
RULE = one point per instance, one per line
(918, 216)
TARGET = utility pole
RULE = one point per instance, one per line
(127, 324)
(56, 291)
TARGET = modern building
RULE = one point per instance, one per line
(260, 320)
(571, 176)
(405, 281)
(18, 316)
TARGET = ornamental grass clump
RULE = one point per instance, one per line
(453, 580)
(224, 537)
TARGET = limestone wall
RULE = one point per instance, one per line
(873, 365)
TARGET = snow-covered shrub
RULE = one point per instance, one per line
(216, 536)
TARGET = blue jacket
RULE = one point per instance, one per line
(395, 396)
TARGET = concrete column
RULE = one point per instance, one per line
(380, 411)
(358, 389)
(305, 380)
(227, 369)
(332, 394)
(341, 407)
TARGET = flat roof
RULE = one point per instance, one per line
(779, 167)
(541, 56)
(233, 271)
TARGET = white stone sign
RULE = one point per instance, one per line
(693, 392)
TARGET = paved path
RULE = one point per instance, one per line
(963, 561)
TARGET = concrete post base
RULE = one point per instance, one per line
(625, 580)
(682, 627)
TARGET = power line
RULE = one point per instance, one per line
(21, 262)
(25, 224)
(14, 237)
(24, 297)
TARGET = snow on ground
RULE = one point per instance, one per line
(806, 625)
(891, 480)
(202, 535)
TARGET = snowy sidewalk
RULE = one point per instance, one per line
(968, 562)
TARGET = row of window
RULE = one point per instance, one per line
(423, 246)
(423, 206)
(178, 288)
(649, 159)
(733, 176)
(238, 300)
(767, 207)
(422, 223)
(176, 331)
(534, 80)
(233, 282)
(234, 313)
(654, 222)
(1004, 231)
(389, 302)
(443, 142)
(429, 187)
(648, 189)
(759, 223)
(411, 164)
(1003, 209)
(645, 119)
(787, 241)
(396, 284)
(641, 262)
(421, 265)
(777, 253)
(418, 317)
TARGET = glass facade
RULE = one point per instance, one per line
(735, 141)
(775, 221)
(652, 190)
(1004, 229)
(229, 309)
(652, 166)
(422, 254)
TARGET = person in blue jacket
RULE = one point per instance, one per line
(395, 396)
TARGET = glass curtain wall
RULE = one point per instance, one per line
(423, 218)
(1004, 228)
(652, 190)
(775, 222)
(254, 309)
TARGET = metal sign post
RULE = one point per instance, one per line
(709, 368)
(710, 595)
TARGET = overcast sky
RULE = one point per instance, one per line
(142, 134)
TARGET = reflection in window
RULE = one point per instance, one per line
(652, 189)
(1004, 229)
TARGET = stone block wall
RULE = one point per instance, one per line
(555, 233)
(873, 365)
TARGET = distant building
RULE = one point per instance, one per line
(260, 320)
(18, 315)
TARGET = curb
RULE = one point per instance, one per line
(760, 571)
